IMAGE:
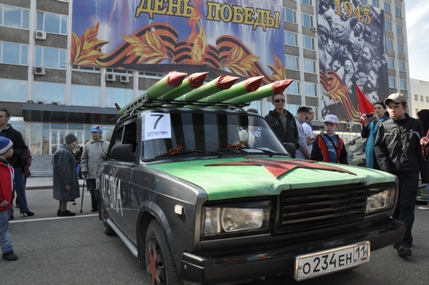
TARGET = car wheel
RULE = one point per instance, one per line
(106, 227)
(160, 265)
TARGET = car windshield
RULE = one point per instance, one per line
(213, 133)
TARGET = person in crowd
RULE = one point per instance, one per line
(308, 130)
(26, 159)
(369, 131)
(94, 153)
(19, 150)
(282, 121)
(6, 190)
(328, 146)
(300, 118)
(423, 117)
(252, 135)
(397, 150)
(66, 184)
(78, 155)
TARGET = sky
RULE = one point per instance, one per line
(417, 18)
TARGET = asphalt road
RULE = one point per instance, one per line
(53, 250)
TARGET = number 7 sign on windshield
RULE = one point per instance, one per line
(156, 126)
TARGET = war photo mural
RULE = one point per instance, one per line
(351, 43)
(237, 36)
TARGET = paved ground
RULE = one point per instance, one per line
(74, 250)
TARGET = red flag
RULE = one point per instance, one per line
(364, 106)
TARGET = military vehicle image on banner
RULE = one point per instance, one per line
(202, 191)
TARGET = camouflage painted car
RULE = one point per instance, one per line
(199, 202)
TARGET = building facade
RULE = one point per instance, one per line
(49, 97)
(419, 97)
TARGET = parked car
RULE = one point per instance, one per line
(197, 204)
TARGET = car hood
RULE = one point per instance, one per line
(227, 178)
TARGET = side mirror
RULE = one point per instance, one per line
(290, 148)
(123, 152)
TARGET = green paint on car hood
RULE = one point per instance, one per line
(232, 181)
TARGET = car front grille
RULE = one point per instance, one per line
(311, 209)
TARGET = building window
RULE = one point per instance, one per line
(398, 29)
(293, 88)
(52, 23)
(388, 25)
(401, 65)
(427, 99)
(14, 17)
(400, 47)
(118, 95)
(49, 92)
(421, 98)
(13, 90)
(416, 97)
(389, 44)
(291, 39)
(51, 57)
(307, 2)
(375, 3)
(310, 89)
(85, 95)
(307, 20)
(392, 83)
(309, 65)
(398, 12)
(403, 84)
(290, 15)
(308, 42)
(292, 62)
(13, 53)
(386, 7)
(390, 63)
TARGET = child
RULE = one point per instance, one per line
(328, 146)
(397, 150)
(6, 188)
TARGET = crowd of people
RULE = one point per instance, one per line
(70, 162)
(395, 143)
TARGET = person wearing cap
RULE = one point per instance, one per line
(328, 146)
(66, 184)
(282, 122)
(19, 151)
(6, 192)
(397, 150)
(94, 153)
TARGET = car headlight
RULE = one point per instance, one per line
(224, 220)
(380, 198)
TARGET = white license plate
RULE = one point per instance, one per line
(328, 261)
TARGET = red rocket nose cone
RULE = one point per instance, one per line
(253, 83)
(174, 78)
(197, 79)
(225, 81)
(280, 86)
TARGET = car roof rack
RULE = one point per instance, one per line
(177, 89)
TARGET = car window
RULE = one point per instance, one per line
(213, 131)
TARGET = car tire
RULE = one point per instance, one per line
(160, 264)
(107, 229)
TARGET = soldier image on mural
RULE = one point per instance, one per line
(237, 36)
(352, 51)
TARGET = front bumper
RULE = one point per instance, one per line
(254, 263)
